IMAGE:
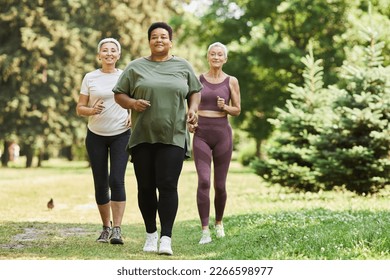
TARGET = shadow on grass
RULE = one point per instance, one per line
(306, 234)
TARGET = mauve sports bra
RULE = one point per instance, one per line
(210, 92)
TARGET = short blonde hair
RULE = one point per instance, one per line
(219, 44)
(109, 40)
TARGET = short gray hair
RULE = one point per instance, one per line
(109, 40)
(218, 44)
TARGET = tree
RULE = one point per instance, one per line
(353, 151)
(335, 136)
(290, 151)
(267, 40)
(39, 72)
(47, 47)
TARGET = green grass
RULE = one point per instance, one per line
(260, 222)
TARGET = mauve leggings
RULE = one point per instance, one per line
(212, 142)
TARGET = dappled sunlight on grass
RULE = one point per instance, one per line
(261, 222)
(313, 234)
(306, 234)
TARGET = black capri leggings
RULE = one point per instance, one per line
(158, 167)
(100, 149)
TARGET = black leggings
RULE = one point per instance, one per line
(158, 167)
(99, 149)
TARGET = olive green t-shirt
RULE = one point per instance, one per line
(167, 85)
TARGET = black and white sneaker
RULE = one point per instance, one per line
(104, 235)
(116, 237)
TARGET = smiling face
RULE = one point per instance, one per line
(109, 53)
(160, 42)
(216, 57)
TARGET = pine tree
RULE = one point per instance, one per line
(290, 152)
(354, 149)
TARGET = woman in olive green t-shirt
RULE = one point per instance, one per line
(162, 91)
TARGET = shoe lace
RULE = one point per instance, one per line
(105, 233)
(116, 232)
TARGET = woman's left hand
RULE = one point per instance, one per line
(128, 121)
(192, 118)
(221, 103)
(192, 127)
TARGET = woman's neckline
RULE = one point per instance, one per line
(215, 83)
(111, 72)
(149, 58)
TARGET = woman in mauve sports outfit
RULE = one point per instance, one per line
(213, 141)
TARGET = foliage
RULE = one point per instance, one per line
(354, 148)
(38, 74)
(247, 154)
(290, 152)
(266, 40)
(51, 46)
(337, 136)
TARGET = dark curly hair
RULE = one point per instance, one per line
(160, 24)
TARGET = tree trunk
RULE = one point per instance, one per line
(5, 155)
(258, 148)
(29, 156)
(40, 158)
(68, 153)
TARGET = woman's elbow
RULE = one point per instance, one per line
(123, 100)
(237, 112)
(118, 99)
(78, 111)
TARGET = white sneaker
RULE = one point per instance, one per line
(151, 242)
(219, 231)
(165, 246)
(206, 237)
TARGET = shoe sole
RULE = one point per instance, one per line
(166, 253)
(116, 241)
(150, 250)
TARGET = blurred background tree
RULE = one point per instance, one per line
(47, 47)
(41, 66)
(266, 41)
(353, 151)
(337, 136)
(290, 150)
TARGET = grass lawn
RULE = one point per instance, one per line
(260, 222)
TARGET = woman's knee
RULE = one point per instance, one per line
(102, 197)
(220, 190)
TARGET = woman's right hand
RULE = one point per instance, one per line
(98, 107)
(141, 105)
